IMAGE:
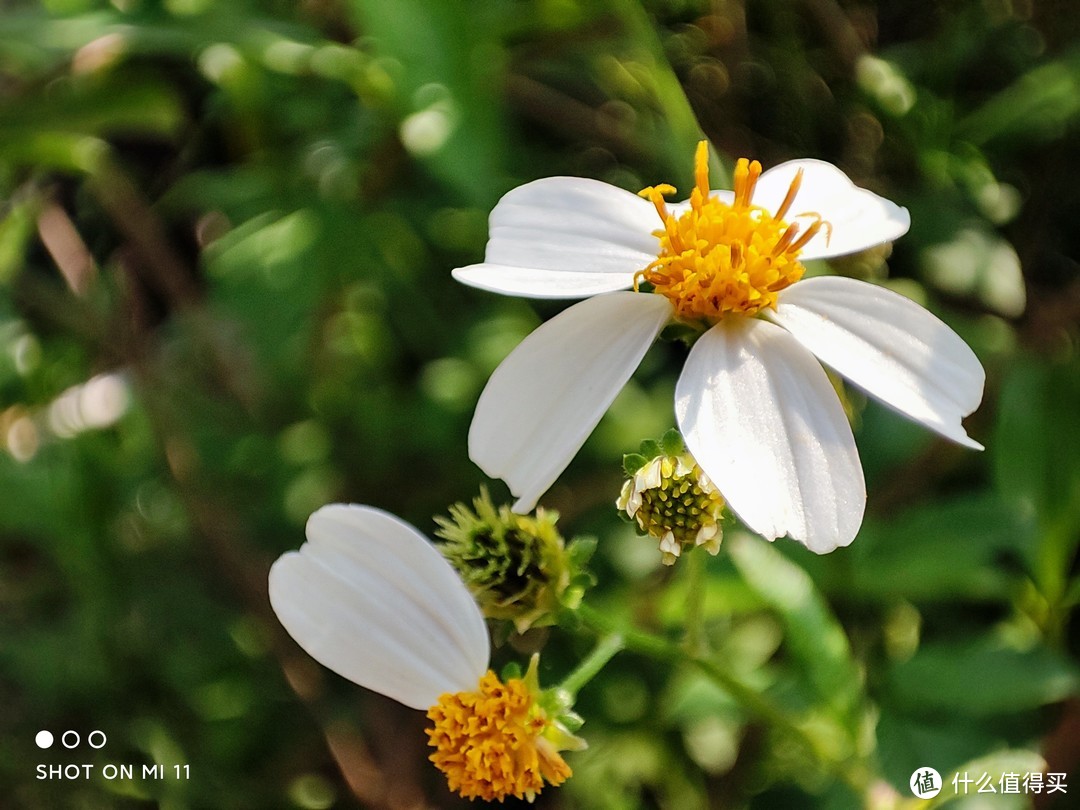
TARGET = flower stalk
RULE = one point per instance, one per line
(852, 773)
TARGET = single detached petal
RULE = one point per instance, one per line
(570, 225)
(370, 598)
(859, 219)
(546, 397)
(762, 420)
(890, 347)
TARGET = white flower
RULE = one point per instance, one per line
(753, 404)
(370, 598)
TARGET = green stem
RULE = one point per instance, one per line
(696, 642)
(660, 648)
(608, 645)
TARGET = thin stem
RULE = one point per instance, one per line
(605, 649)
(696, 641)
(660, 648)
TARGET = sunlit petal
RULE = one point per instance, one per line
(370, 598)
(858, 219)
(890, 347)
(546, 397)
(570, 225)
(762, 420)
(531, 282)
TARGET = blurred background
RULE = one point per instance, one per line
(226, 235)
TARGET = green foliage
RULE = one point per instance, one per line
(226, 232)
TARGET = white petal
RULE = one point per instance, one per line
(370, 598)
(860, 219)
(762, 420)
(530, 282)
(546, 397)
(890, 347)
(570, 225)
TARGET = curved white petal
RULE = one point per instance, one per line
(860, 219)
(546, 397)
(571, 225)
(890, 347)
(531, 282)
(762, 420)
(370, 598)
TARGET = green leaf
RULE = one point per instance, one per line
(1034, 450)
(812, 633)
(632, 462)
(16, 231)
(1035, 107)
(672, 443)
(580, 550)
(449, 81)
(948, 550)
(980, 678)
(650, 448)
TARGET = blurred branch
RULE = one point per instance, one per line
(164, 271)
(838, 30)
(570, 118)
(66, 246)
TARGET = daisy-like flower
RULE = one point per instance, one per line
(753, 403)
(368, 597)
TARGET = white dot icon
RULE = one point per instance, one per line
(925, 783)
(44, 739)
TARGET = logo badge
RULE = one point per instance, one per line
(925, 783)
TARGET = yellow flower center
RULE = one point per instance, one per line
(680, 504)
(672, 500)
(717, 258)
(490, 742)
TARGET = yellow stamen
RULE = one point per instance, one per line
(701, 169)
(490, 743)
(655, 195)
(719, 258)
(789, 198)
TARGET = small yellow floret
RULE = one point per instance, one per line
(672, 500)
(718, 258)
(490, 743)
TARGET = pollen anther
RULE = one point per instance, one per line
(491, 743)
(718, 257)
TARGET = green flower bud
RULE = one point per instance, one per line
(671, 499)
(515, 566)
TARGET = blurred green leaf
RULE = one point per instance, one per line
(142, 105)
(1035, 448)
(448, 67)
(979, 678)
(1037, 107)
(16, 230)
(970, 547)
(811, 631)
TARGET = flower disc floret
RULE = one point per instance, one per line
(515, 566)
(718, 258)
(672, 500)
(490, 743)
